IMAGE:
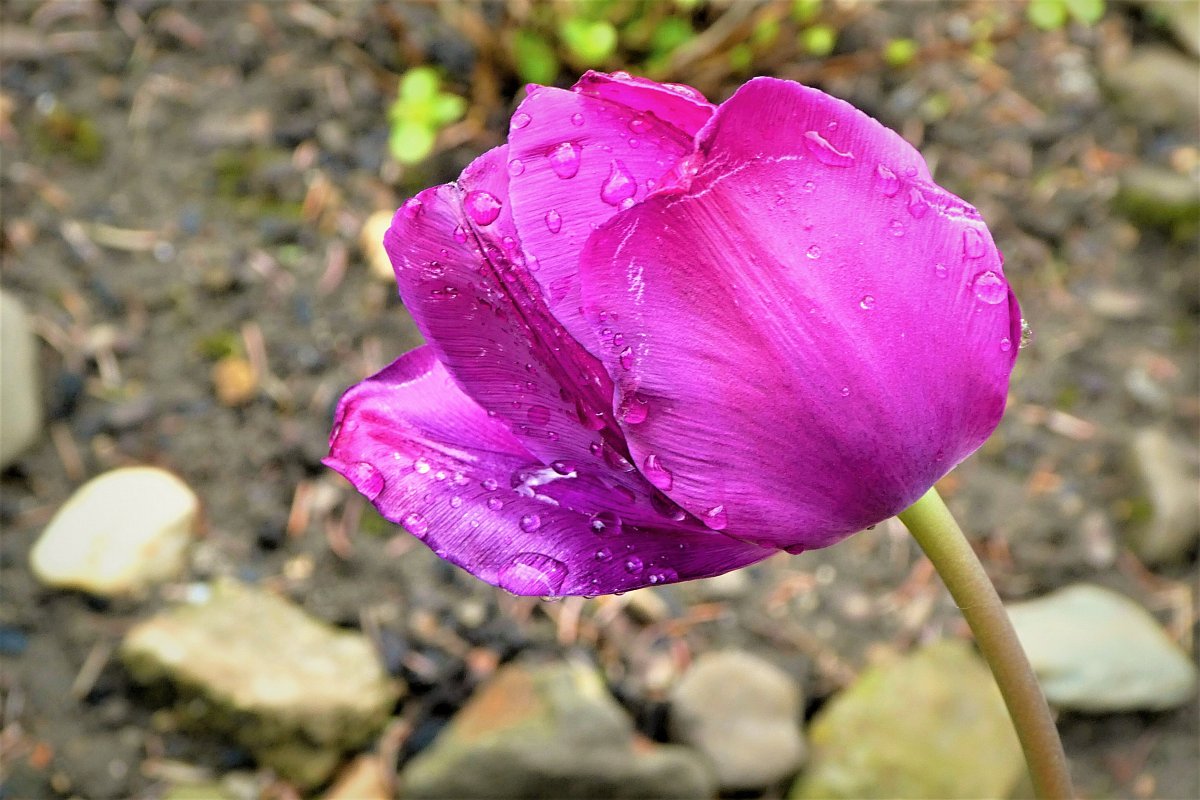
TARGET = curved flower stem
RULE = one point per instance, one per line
(932, 525)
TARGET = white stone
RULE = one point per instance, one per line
(118, 534)
(20, 389)
(744, 714)
(371, 241)
(1098, 651)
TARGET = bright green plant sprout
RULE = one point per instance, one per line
(421, 110)
(589, 42)
(818, 40)
(899, 52)
(805, 11)
(1050, 15)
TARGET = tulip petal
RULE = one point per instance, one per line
(431, 459)
(585, 154)
(814, 331)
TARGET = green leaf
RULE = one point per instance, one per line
(671, 33)
(411, 143)
(447, 108)
(899, 52)
(819, 40)
(805, 11)
(590, 42)
(1088, 12)
(536, 60)
(419, 84)
(1049, 15)
(741, 57)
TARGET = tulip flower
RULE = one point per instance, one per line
(667, 339)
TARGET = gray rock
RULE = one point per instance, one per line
(245, 663)
(929, 725)
(1159, 197)
(20, 390)
(1156, 86)
(1096, 650)
(119, 533)
(744, 714)
(550, 731)
(1166, 526)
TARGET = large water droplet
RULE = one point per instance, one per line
(889, 184)
(516, 167)
(412, 207)
(973, 244)
(626, 358)
(867, 303)
(813, 252)
(615, 459)
(564, 160)
(716, 518)
(532, 574)
(916, 203)
(415, 524)
(619, 186)
(990, 287)
(421, 466)
(656, 473)
(1026, 334)
(460, 234)
(667, 507)
(495, 503)
(366, 479)
(634, 408)
(825, 152)
(553, 221)
(605, 523)
(530, 523)
(519, 120)
(482, 207)
(633, 565)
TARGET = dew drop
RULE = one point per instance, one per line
(562, 467)
(667, 507)
(634, 408)
(889, 184)
(657, 474)
(456, 502)
(516, 167)
(813, 252)
(1005, 344)
(973, 246)
(825, 152)
(916, 203)
(619, 186)
(809, 186)
(415, 524)
(460, 234)
(896, 228)
(867, 303)
(553, 221)
(845, 391)
(564, 160)
(495, 503)
(490, 485)
(412, 207)
(604, 554)
(626, 358)
(990, 287)
(662, 575)
(519, 120)
(1026, 334)
(534, 574)
(482, 207)
(539, 415)
(615, 459)
(605, 523)
(421, 466)
(634, 565)
(366, 479)
(530, 523)
(940, 270)
(577, 120)
(637, 125)
(716, 518)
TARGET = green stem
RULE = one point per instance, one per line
(932, 525)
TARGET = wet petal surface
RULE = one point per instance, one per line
(432, 460)
(814, 331)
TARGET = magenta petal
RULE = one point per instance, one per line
(814, 332)
(431, 459)
(582, 156)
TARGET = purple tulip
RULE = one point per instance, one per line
(667, 339)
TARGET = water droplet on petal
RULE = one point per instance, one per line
(366, 479)
(633, 565)
(604, 554)
(889, 184)
(605, 523)
(619, 186)
(1005, 344)
(825, 152)
(530, 523)
(662, 575)
(495, 503)
(667, 507)
(482, 207)
(539, 415)
(553, 221)
(421, 466)
(456, 502)
(716, 518)
(412, 207)
(626, 358)
(916, 203)
(973, 245)
(656, 473)
(867, 303)
(564, 160)
(845, 391)
(940, 270)
(577, 120)
(460, 234)
(809, 186)
(516, 167)
(637, 125)
(519, 120)
(990, 287)
(490, 485)
(1026, 334)
(896, 227)
(813, 252)
(415, 524)
(634, 408)
(615, 459)
(532, 574)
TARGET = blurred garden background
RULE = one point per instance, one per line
(192, 198)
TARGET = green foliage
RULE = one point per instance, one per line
(899, 52)
(421, 110)
(590, 43)
(536, 60)
(1050, 15)
(805, 11)
(818, 40)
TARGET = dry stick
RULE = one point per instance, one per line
(932, 525)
